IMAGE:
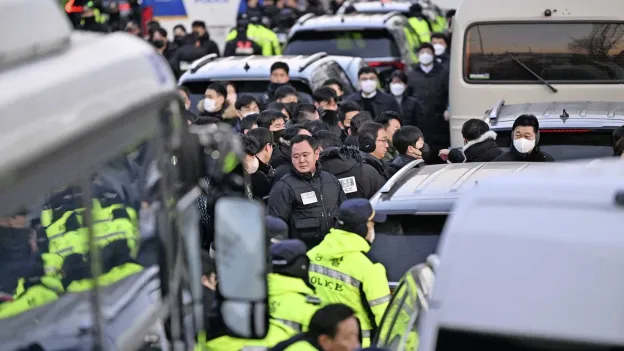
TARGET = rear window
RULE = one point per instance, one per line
(569, 144)
(558, 52)
(451, 340)
(361, 43)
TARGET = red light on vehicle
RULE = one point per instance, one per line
(565, 131)
(396, 64)
(124, 7)
(70, 8)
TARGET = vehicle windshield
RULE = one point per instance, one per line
(411, 237)
(256, 88)
(51, 248)
(557, 52)
(368, 43)
(569, 144)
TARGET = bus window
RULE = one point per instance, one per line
(558, 52)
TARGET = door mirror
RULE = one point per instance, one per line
(241, 259)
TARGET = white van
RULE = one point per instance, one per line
(534, 51)
(532, 261)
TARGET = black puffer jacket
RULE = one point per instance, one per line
(482, 149)
(308, 203)
(400, 162)
(513, 155)
(280, 161)
(377, 164)
(358, 179)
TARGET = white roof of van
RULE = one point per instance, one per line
(536, 254)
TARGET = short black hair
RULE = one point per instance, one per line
(185, 90)
(326, 320)
(451, 13)
(367, 70)
(368, 131)
(326, 94)
(244, 100)
(385, 117)
(201, 24)
(162, 31)
(262, 135)
(267, 117)
(618, 133)
(301, 138)
(439, 35)
(292, 131)
(218, 88)
(250, 145)
(360, 119)
(180, 26)
(405, 137)
(333, 81)
(346, 107)
(474, 128)
(205, 120)
(398, 74)
(284, 91)
(278, 106)
(618, 148)
(302, 112)
(280, 65)
(248, 121)
(425, 46)
(315, 125)
(526, 121)
(327, 139)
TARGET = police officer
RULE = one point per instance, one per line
(420, 23)
(261, 35)
(241, 45)
(341, 271)
(307, 198)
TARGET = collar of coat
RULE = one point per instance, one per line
(487, 135)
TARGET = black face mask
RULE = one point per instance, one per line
(159, 44)
(426, 152)
(273, 86)
(180, 39)
(277, 134)
(339, 98)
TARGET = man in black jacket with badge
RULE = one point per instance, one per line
(307, 198)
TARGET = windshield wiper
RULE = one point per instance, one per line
(544, 81)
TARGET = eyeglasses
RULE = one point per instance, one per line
(382, 140)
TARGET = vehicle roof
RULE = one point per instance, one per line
(535, 254)
(436, 188)
(374, 6)
(581, 114)
(50, 105)
(471, 11)
(344, 22)
(233, 67)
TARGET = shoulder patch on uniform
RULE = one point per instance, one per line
(313, 300)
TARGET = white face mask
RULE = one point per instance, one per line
(425, 58)
(368, 86)
(523, 145)
(397, 89)
(210, 105)
(439, 49)
(253, 166)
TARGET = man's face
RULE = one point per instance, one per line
(289, 99)
(524, 132)
(278, 124)
(346, 339)
(438, 41)
(425, 50)
(330, 105)
(158, 36)
(185, 98)
(199, 30)
(312, 116)
(279, 76)
(348, 117)
(304, 157)
(381, 144)
(337, 89)
(393, 126)
(179, 32)
(218, 99)
(249, 109)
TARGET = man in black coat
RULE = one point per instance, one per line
(308, 198)
(429, 83)
(410, 144)
(525, 142)
(480, 144)
(371, 99)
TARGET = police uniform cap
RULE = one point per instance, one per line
(355, 212)
(276, 228)
(286, 252)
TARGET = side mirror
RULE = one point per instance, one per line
(241, 259)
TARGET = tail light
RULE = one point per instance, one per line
(396, 64)
(70, 8)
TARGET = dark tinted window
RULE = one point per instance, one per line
(569, 144)
(451, 340)
(362, 43)
(555, 51)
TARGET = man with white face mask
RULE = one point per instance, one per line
(429, 83)
(371, 99)
(525, 142)
(440, 48)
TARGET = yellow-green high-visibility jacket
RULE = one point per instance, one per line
(439, 25)
(275, 334)
(341, 272)
(266, 38)
(34, 294)
(421, 27)
(291, 302)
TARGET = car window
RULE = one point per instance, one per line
(569, 144)
(580, 52)
(367, 43)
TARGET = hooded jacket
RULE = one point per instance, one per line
(482, 149)
(280, 161)
(307, 202)
(358, 179)
(377, 164)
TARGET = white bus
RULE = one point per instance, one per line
(534, 51)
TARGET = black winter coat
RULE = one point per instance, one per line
(482, 149)
(399, 162)
(358, 179)
(382, 102)
(308, 203)
(513, 155)
(280, 161)
(377, 164)
(412, 112)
